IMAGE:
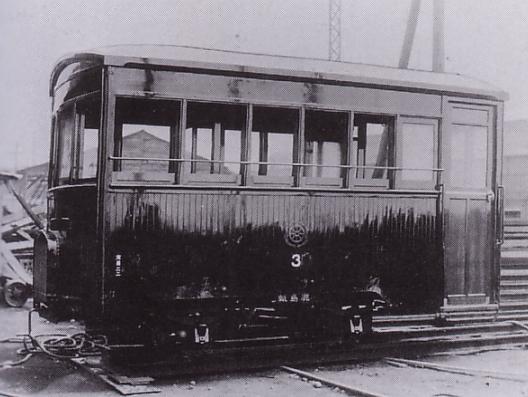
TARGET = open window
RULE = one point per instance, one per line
(325, 148)
(213, 142)
(274, 142)
(88, 118)
(65, 143)
(76, 133)
(372, 146)
(144, 139)
(417, 153)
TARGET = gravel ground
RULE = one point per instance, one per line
(43, 376)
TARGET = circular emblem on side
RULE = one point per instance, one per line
(296, 235)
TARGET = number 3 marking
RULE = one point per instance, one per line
(296, 260)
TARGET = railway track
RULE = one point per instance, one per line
(413, 342)
(395, 377)
(370, 369)
(390, 377)
(425, 354)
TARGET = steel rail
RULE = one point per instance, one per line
(457, 370)
(353, 391)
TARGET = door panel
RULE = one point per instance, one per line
(469, 151)
(478, 246)
(455, 246)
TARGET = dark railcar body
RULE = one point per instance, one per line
(192, 256)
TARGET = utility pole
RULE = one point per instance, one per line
(409, 34)
(438, 36)
(334, 24)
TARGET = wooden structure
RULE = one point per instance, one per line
(287, 187)
(15, 282)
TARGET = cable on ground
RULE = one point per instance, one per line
(58, 346)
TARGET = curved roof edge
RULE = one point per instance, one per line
(69, 59)
(234, 62)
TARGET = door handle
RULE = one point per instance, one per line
(489, 197)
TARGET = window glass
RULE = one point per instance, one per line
(372, 145)
(145, 141)
(214, 132)
(325, 143)
(417, 151)
(273, 137)
(88, 115)
(90, 146)
(233, 150)
(469, 148)
(66, 128)
(145, 129)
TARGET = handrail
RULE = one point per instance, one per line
(500, 214)
(388, 168)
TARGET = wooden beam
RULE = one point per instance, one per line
(263, 153)
(216, 149)
(194, 148)
(34, 217)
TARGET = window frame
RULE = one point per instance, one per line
(298, 142)
(181, 167)
(53, 156)
(76, 155)
(327, 182)
(187, 176)
(79, 135)
(373, 183)
(490, 126)
(400, 182)
(66, 107)
(146, 177)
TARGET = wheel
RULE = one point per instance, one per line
(15, 294)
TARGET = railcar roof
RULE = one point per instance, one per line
(282, 67)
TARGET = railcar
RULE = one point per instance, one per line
(203, 197)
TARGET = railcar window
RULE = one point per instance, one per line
(145, 129)
(325, 143)
(88, 119)
(273, 140)
(214, 132)
(372, 145)
(469, 147)
(417, 151)
(66, 127)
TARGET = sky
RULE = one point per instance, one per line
(486, 39)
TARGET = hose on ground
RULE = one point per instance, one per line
(58, 346)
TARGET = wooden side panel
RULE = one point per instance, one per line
(237, 242)
(479, 252)
(216, 212)
(468, 252)
(456, 235)
(222, 88)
